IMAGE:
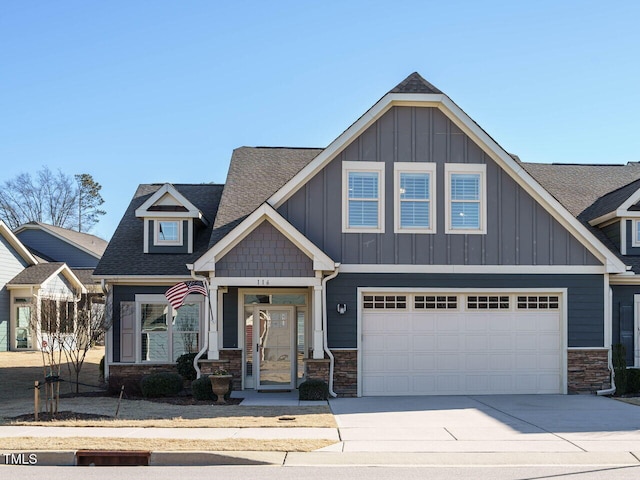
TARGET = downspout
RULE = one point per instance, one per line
(612, 390)
(325, 339)
(105, 291)
(205, 347)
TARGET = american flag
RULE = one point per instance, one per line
(179, 291)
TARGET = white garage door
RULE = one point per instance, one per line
(461, 343)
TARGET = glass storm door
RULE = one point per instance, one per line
(274, 350)
(23, 328)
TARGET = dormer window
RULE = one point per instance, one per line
(168, 232)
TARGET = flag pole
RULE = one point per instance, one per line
(205, 345)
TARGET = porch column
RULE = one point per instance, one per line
(212, 315)
(318, 334)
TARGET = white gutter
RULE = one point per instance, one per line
(612, 390)
(205, 347)
(325, 339)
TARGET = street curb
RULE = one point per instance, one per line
(201, 458)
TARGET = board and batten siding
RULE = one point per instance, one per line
(622, 317)
(56, 249)
(519, 230)
(11, 264)
(585, 299)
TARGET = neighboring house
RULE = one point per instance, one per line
(14, 258)
(41, 264)
(411, 256)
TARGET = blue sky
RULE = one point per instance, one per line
(153, 91)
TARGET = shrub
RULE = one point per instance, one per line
(313, 389)
(185, 366)
(619, 358)
(201, 389)
(161, 384)
(633, 380)
(101, 368)
(131, 385)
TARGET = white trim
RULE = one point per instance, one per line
(143, 279)
(602, 219)
(628, 278)
(372, 167)
(579, 349)
(564, 312)
(160, 299)
(623, 236)
(265, 282)
(514, 169)
(608, 322)
(465, 168)
(15, 242)
(157, 242)
(629, 202)
(414, 167)
(167, 188)
(264, 212)
(504, 269)
(635, 241)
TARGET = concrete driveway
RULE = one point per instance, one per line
(500, 423)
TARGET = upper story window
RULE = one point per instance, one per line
(168, 232)
(636, 234)
(414, 197)
(363, 197)
(466, 196)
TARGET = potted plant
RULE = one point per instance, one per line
(220, 381)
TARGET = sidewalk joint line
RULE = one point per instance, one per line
(635, 456)
(528, 423)
(446, 430)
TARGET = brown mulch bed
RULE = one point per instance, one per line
(65, 415)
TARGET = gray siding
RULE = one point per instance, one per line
(184, 248)
(519, 231)
(585, 302)
(230, 318)
(11, 263)
(622, 317)
(631, 250)
(613, 233)
(56, 249)
(265, 252)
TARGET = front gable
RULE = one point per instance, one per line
(168, 218)
(522, 223)
(264, 245)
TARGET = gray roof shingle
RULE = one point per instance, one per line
(256, 173)
(35, 274)
(125, 255)
(414, 83)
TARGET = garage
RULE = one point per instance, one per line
(462, 343)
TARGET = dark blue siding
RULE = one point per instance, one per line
(585, 302)
(622, 315)
(613, 232)
(56, 249)
(230, 318)
(631, 250)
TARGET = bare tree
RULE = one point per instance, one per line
(53, 198)
(91, 324)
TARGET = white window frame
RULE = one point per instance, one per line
(160, 299)
(466, 168)
(157, 241)
(376, 167)
(635, 238)
(414, 167)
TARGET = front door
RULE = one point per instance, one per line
(23, 337)
(274, 348)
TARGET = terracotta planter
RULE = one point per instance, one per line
(220, 386)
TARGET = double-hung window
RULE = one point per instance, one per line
(166, 333)
(363, 197)
(414, 187)
(466, 196)
(168, 232)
